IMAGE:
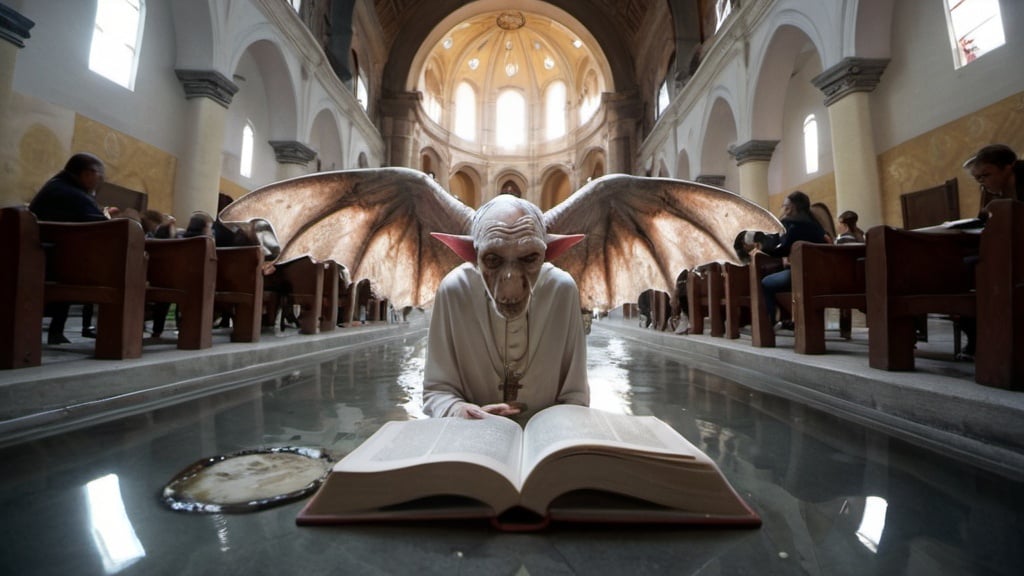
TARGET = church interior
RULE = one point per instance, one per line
(861, 104)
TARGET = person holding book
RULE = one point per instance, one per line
(505, 334)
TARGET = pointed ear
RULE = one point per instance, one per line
(461, 245)
(559, 243)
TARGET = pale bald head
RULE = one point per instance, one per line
(510, 241)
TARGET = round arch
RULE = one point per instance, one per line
(555, 188)
(465, 184)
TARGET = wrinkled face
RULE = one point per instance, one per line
(510, 253)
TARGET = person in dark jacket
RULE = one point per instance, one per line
(70, 197)
(800, 224)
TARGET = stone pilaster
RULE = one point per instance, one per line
(847, 87)
(197, 181)
(14, 30)
(753, 158)
(399, 111)
(292, 157)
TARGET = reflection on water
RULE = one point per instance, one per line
(836, 498)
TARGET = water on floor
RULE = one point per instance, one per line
(835, 498)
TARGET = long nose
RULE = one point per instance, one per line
(510, 286)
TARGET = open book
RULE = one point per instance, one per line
(570, 463)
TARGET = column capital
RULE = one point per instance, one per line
(753, 151)
(292, 152)
(711, 179)
(848, 76)
(207, 84)
(401, 104)
(13, 26)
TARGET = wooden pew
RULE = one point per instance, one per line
(331, 295)
(297, 282)
(911, 274)
(103, 263)
(697, 294)
(999, 358)
(824, 276)
(239, 290)
(183, 271)
(762, 329)
(716, 299)
(21, 289)
(736, 284)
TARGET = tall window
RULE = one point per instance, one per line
(976, 27)
(465, 112)
(722, 10)
(296, 4)
(554, 110)
(589, 97)
(245, 164)
(116, 35)
(361, 95)
(511, 115)
(662, 98)
(811, 144)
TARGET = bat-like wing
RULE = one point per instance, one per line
(377, 222)
(641, 232)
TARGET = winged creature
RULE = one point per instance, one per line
(640, 232)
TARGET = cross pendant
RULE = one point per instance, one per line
(510, 388)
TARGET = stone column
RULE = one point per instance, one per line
(292, 158)
(399, 113)
(622, 116)
(753, 157)
(197, 181)
(14, 30)
(847, 87)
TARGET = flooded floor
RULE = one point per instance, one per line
(835, 498)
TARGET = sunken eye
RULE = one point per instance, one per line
(530, 258)
(492, 261)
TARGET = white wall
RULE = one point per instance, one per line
(920, 89)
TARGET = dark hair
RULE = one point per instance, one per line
(82, 162)
(800, 201)
(994, 154)
(849, 218)
(197, 224)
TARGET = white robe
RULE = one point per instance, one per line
(463, 360)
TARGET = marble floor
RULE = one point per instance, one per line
(841, 490)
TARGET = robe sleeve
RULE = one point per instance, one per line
(574, 387)
(443, 391)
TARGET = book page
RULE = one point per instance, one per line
(493, 442)
(562, 426)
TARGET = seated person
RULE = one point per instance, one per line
(70, 196)
(800, 224)
(158, 225)
(505, 335)
(200, 224)
(849, 233)
(1000, 175)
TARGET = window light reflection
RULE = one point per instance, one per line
(112, 531)
(872, 523)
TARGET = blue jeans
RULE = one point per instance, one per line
(771, 285)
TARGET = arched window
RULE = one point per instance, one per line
(511, 115)
(554, 108)
(811, 144)
(361, 95)
(465, 112)
(116, 35)
(297, 5)
(590, 99)
(245, 162)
